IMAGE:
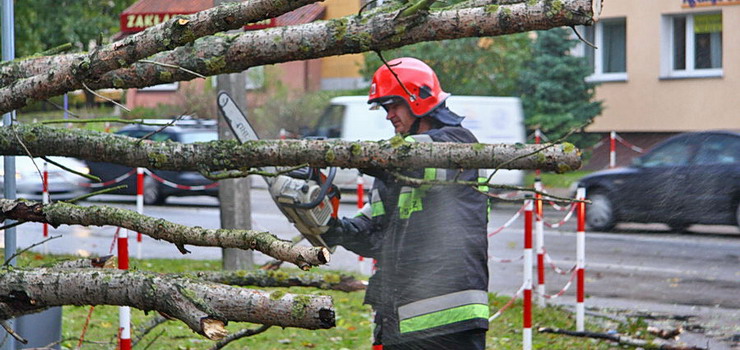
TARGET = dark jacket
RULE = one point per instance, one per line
(431, 248)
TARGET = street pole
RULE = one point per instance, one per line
(8, 37)
(233, 194)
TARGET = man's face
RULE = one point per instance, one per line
(400, 115)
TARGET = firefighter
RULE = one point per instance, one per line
(429, 289)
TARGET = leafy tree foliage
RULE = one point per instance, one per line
(488, 66)
(44, 24)
(554, 92)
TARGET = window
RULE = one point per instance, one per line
(693, 45)
(609, 61)
(676, 153)
(719, 150)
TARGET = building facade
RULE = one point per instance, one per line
(664, 67)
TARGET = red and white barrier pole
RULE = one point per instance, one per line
(124, 312)
(283, 134)
(139, 205)
(45, 200)
(540, 243)
(107, 127)
(527, 297)
(612, 150)
(537, 141)
(360, 191)
(581, 260)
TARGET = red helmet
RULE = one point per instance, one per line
(418, 78)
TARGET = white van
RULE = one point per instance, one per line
(491, 119)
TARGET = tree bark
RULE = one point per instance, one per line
(261, 278)
(352, 34)
(69, 214)
(204, 307)
(230, 155)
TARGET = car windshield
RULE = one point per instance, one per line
(198, 136)
(330, 123)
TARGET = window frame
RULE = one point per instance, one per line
(598, 74)
(667, 49)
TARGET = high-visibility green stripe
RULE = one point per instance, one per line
(378, 209)
(444, 317)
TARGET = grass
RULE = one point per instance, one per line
(353, 329)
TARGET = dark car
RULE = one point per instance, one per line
(691, 178)
(163, 183)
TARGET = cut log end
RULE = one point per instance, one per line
(326, 318)
(213, 329)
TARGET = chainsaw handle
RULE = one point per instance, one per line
(322, 192)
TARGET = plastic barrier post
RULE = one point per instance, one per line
(360, 191)
(527, 298)
(581, 260)
(139, 205)
(612, 150)
(45, 200)
(124, 312)
(537, 140)
(540, 243)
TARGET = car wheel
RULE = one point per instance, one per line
(152, 192)
(600, 213)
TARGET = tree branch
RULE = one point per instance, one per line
(262, 278)
(69, 214)
(230, 155)
(352, 34)
(204, 307)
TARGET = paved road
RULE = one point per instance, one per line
(642, 267)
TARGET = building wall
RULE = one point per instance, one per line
(646, 102)
(341, 72)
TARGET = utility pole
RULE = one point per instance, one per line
(236, 211)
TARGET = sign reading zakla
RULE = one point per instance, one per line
(137, 22)
(705, 3)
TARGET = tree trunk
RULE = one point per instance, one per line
(205, 307)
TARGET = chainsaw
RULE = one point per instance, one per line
(305, 196)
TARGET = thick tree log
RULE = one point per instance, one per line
(69, 214)
(106, 262)
(262, 278)
(353, 34)
(230, 155)
(204, 307)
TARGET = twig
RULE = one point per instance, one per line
(105, 98)
(62, 108)
(19, 252)
(175, 67)
(87, 176)
(582, 38)
(12, 332)
(98, 192)
(100, 120)
(238, 335)
(171, 123)
(412, 97)
(148, 327)
(359, 13)
(154, 340)
(19, 222)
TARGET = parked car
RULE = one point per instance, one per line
(691, 178)
(156, 192)
(63, 185)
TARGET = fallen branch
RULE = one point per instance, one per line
(622, 339)
(238, 335)
(60, 213)
(204, 307)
